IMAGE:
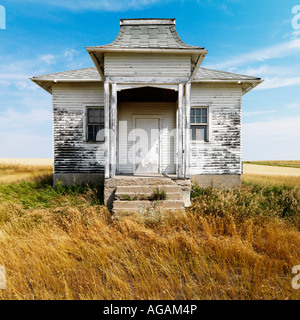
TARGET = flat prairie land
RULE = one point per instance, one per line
(292, 163)
(27, 161)
(62, 243)
(261, 169)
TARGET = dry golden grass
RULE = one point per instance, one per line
(10, 172)
(26, 161)
(293, 181)
(217, 250)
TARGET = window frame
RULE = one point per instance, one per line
(207, 124)
(86, 124)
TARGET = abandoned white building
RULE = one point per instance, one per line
(147, 109)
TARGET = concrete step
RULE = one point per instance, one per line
(138, 181)
(136, 205)
(141, 196)
(147, 189)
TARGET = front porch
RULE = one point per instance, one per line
(147, 129)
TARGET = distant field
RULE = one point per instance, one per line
(270, 170)
(291, 164)
(26, 161)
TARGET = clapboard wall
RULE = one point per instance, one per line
(155, 67)
(71, 153)
(222, 154)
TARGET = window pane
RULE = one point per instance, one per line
(199, 133)
(192, 119)
(198, 119)
(204, 111)
(100, 134)
(198, 111)
(101, 116)
(192, 111)
(193, 132)
(97, 115)
(202, 133)
(90, 133)
(204, 119)
(90, 115)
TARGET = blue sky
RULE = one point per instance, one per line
(252, 37)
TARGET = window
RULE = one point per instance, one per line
(199, 124)
(95, 124)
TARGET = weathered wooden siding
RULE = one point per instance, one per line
(222, 154)
(71, 153)
(154, 66)
(126, 110)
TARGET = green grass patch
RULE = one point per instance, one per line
(41, 194)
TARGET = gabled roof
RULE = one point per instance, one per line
(147, 34)
(88, 74)
(211, 74)
(91, 74)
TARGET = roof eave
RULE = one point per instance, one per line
(252, 82)
(40, 83)
(149, 50)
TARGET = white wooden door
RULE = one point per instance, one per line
(147, 145)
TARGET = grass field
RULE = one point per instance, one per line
(61, 243)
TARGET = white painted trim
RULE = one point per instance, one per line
(148, 80)
(143, 22)
(187, 170)
(84, 121)
(148, 50)
(197, 66)
(113, 121)
(180, 133)
(106, 128)
(121, 87)
(209, 124)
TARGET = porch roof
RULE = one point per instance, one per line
(91, 74)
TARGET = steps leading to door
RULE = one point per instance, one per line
(136, 194)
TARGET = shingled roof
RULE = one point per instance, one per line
(148, 33)
(92, 74)
(211, 74)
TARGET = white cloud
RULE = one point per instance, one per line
(48, 58)
(277, 51)
(70, 53)
(276, 82)
(252, 113)
(103, 5)
(14, 119)
(295, 105)
(272, 140)
(24, 145)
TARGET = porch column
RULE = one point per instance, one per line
(106, 129)
(180, 132)
(187, 130)
(113, 130)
